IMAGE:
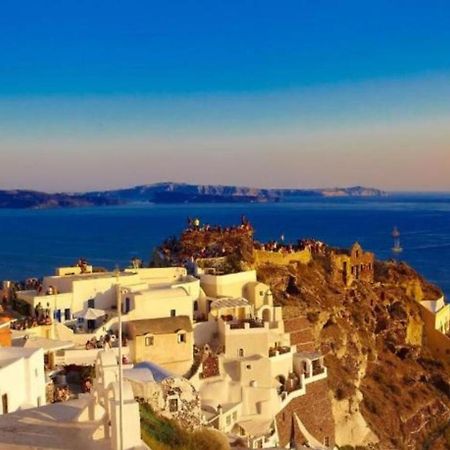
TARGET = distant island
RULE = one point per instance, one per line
(169, 192)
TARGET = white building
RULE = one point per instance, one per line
(90, 422)
(22, 378)
(252, 372)
(144, 293)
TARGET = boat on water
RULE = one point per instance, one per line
(397, 248)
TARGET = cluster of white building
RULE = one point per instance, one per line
(220, 332)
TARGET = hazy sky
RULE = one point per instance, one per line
(288, 94)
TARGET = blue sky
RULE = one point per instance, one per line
(275, 87)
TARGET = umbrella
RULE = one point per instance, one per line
(91, 314)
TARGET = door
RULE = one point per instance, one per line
(5, 403)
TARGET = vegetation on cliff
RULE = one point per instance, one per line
(160, 433)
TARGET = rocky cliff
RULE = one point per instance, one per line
(171, 193)
(387, 389)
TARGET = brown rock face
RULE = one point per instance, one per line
(371, 336)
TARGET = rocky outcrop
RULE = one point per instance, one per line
(385, 387)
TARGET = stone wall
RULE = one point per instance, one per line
(314, 410)
(281, 259)
(301, 333)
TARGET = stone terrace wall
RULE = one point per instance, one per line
(314, 410)
(301, 333)
(280, 259)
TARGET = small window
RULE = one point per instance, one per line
(228, 420)
(67, 315)
(173, 405)
(173, 312)
(241, 352)
(261, 293)
(181, 338)
(196, 305)
(249, 366)
(91, 303)
(234, 416)
(149, 340)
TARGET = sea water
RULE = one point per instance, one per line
(34, 242)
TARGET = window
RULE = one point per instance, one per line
(261, 293)
(149, 340)
(249, 366)
(181, 338)
(228, 420)
(196, 305)
(91, 303)
(173, 312)
(67, 314)
(173, 405)
(241, 352)
(235, 416)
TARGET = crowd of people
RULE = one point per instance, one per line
(30, 322)
(103, 342)
(314, 246)
(199, 241)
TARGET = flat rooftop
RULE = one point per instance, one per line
(92, 275)
(52, 426)
(10, 354)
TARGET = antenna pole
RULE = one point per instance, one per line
(119, 311)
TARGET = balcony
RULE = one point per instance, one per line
(281, 350)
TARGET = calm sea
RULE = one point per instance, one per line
(33, 242)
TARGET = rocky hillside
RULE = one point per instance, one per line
(171, 193)
(20, 199)
(195, 193)
(387, 389)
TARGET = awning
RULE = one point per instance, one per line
(229, 303)
(91, 314)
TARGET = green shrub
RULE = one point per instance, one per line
(160, 433)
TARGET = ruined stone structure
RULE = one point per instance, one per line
(282, 258)
(352, 265)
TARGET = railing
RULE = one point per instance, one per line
(241, 324)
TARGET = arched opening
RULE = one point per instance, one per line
(282, 380)
(266, 315)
